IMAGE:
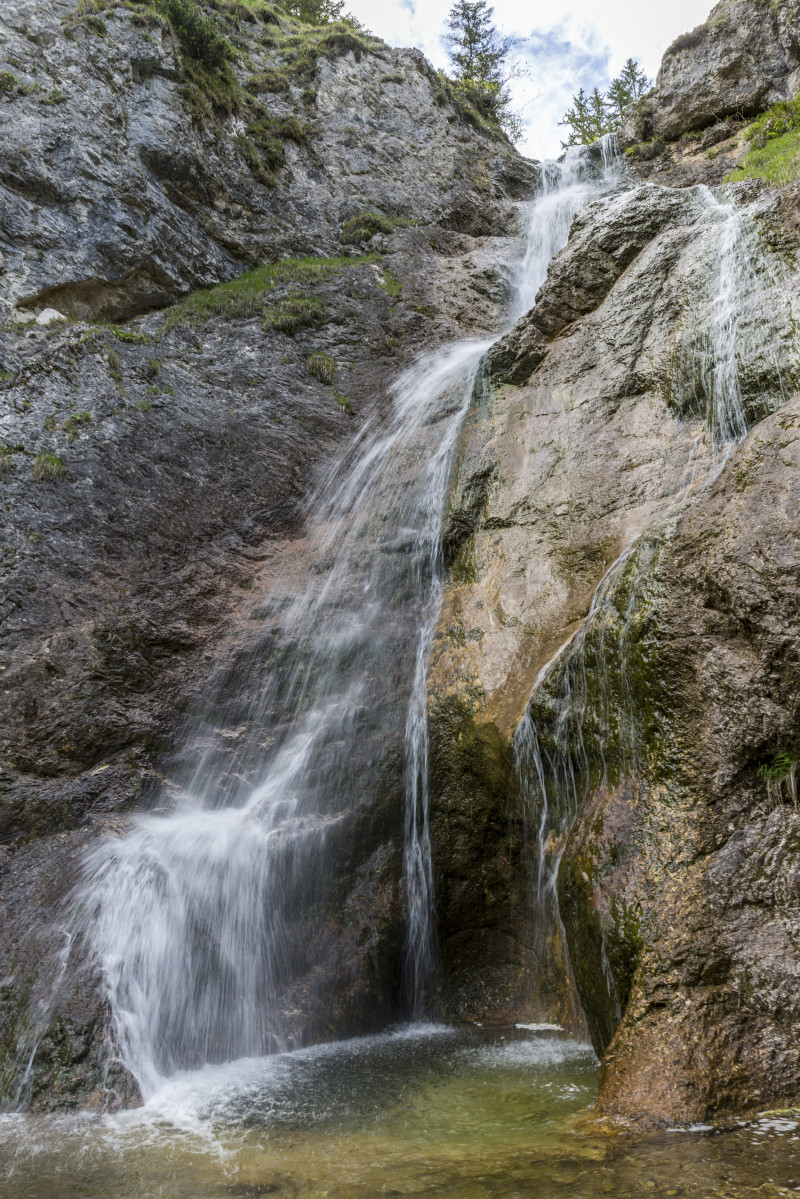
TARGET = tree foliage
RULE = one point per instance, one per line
(315, 12)
(599, 113)
(478, 54)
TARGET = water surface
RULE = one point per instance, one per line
(458, 1112)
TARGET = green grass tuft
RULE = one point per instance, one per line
(248, 294)
(364, 226)
(391, 285)
(47, 468)
(321, 366)
(293, 313)
(72, 425)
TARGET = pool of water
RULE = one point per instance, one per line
(459, 1112)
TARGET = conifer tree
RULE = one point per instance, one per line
(478, 53)
(315, 12)
(591, 117)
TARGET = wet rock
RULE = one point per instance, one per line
(684, 872)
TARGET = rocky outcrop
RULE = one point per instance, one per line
(595, 428)
(133, 172)
(743, 59)
(682, 868)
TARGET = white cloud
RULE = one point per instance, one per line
(567, 44)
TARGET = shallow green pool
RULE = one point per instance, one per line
(429, 1110)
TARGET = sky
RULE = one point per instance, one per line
(565, 44)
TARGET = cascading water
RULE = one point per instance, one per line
(191, 914)
(202, 920)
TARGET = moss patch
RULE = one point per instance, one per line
(248, 294)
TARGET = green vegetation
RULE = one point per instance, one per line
(391, 285)
(129, 335)
(781, 766)
(342, 400)
(315, 12)
(780, 775)
(6, 457)
(775, 141)
(321, 366)
(8, 82)
(47, 468)
(478, 54)
(72, 424)
(145, 405)
(646, 151)
(248, 294)
(364, 226)
(199, 35)
(271, 82)
(592, 117)
(294, 312)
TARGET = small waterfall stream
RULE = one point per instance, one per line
(196, 916)
(582, 715)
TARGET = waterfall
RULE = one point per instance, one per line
(193, 915)
(207, 919)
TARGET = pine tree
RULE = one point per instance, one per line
(479, 53)
(315, 12)
(626, 89)
(592, 117)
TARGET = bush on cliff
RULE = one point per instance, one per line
(199, 36)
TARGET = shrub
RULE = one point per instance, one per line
(339, 42)
(687, 41)
(73, 424)
(321, 366)
(47, 468)
(257, 165)
(363, 227)
(199, 36)
(267, 82)
(263, 134)
(292, 130)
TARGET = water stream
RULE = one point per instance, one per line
(205, 920)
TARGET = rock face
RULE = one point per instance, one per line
(155, 474)
(133, 173)
(592, 440)
(682, 867)
(743, 59)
